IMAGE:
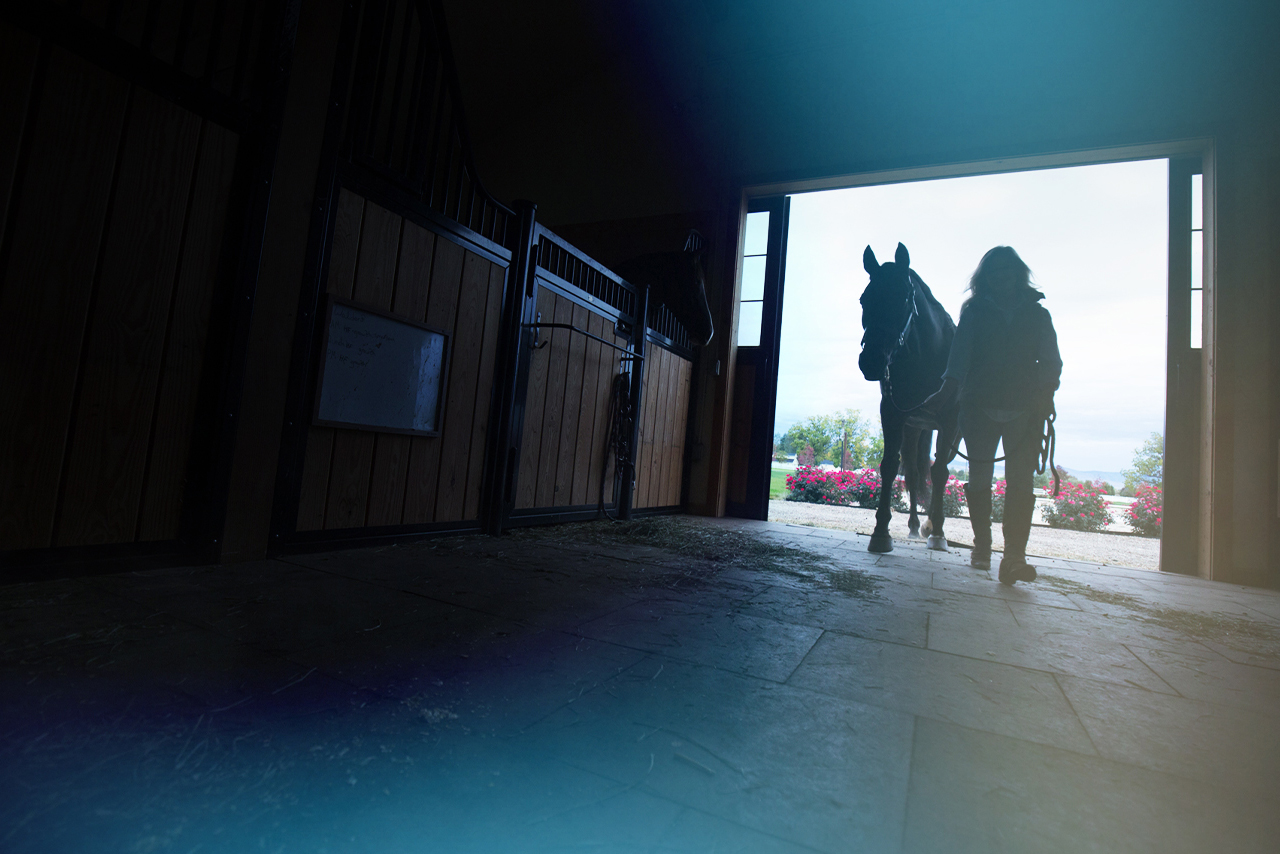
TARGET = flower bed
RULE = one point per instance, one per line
(997, 501)
(1146, 513)
(1079, 507)
(859, 488)
(953, 498)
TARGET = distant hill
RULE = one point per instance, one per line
(1114, 478)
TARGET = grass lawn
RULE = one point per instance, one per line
(778, 482)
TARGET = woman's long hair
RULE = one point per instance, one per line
(1000, 256)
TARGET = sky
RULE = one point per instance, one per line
(1095, 238)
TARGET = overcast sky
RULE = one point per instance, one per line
(1095, 238)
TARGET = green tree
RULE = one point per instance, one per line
(829, 436)
(1147, 468)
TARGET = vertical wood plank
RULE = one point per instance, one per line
(371, 458)
(652, 385)
(535, 405)
(349, 479)
(344, 251)
(643, 439)
(675, 472)
(669, 436)
(18, 52)
(744, 383)
(375, 277)
(567, 456)
(413, 273)
(602, 458)
(314, 488)
(391, 453)
(198, 277)
(108, 450)
(661, 359)
(464, 371)
(388, 478)
(553, 414)
(424, 452)
(654, 463)
(344, 248)
(484, 391)
(53, 252)
(586, 410)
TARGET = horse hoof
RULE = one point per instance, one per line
(938, 544)
(880, 543)
(914, 535)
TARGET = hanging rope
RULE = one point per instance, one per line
(619, 445)
(1048, 442)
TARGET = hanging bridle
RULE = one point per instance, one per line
(886, 380)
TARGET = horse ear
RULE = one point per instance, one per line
(901, 256)
(869, 262)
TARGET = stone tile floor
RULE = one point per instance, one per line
(558, 691)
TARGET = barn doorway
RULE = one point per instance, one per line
(1118, 247)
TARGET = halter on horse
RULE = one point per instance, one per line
(905, 346)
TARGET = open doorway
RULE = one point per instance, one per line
(1099, 240)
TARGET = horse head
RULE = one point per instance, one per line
(678, 281)
(887, 305)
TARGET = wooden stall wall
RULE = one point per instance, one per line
(664, 422)
(564, 463)
(366, 479)
(120, 217)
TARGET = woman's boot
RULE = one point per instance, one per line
(1017, 529)
(979, 501)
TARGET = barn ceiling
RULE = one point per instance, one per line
(605, 110)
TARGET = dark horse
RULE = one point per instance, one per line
(676, 280)
(905, 349)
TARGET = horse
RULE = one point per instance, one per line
(905, 344)
(678, 281)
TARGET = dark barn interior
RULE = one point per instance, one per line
(253, 600)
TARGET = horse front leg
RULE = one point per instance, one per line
(938, 477)
(880, 540)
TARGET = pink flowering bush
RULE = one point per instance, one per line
(953, 498)
(997, 501)
(1146, 513)
(847, 488)
(1079, 507)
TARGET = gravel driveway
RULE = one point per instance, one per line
(1118, 549)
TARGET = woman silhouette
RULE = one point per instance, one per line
(1005, 367)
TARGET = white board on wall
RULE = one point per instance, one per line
(381, 372)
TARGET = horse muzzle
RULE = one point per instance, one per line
(872, 365)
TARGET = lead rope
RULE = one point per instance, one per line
(1048, 442)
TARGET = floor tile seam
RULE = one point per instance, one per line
(821, 634)
(1076, 715)
(1251, 711)
(1273, 664)
(1107, 756)
(1022, 667)
(1097, 757)
(1000, 598)
(1054, 673)
(1153, 670)
(920, 715)
(1217, 703)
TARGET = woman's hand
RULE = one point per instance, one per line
(944, 397)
